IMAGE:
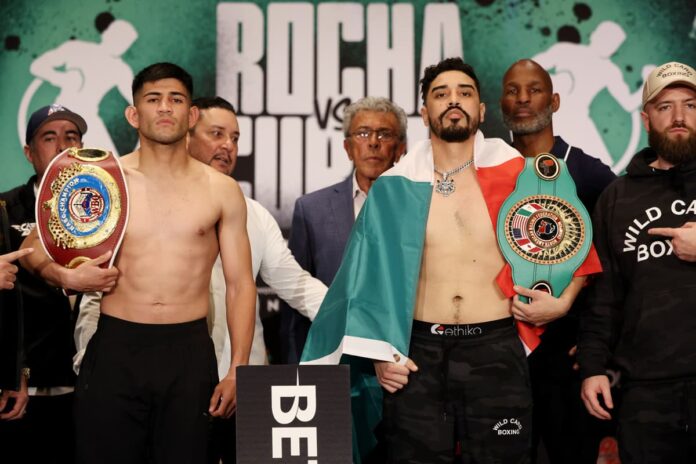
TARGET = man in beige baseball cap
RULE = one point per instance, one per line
(669, 74)
(669, 114)
(641, 314)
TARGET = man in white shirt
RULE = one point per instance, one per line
(213, 141)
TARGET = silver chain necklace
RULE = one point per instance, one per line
(446, 187)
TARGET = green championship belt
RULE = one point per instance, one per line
(544, 230)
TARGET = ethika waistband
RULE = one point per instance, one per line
(462, 330)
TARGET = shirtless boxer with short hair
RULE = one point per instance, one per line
(147, 387)
(467, 379)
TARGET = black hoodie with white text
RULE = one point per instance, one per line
(642, 311)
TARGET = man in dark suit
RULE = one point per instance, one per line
(569, 434)
(47, 317)
(375, 138)
(13, 381)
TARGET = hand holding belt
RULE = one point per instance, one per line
(82, 206)
(544, 230)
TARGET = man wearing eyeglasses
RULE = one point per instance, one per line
(375, 138)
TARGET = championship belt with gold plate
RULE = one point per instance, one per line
(82, 206)
(544, 230)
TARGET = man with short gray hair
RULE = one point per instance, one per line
(374, 104)
(375, 138)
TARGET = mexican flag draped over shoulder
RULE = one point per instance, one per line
(368, 311)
